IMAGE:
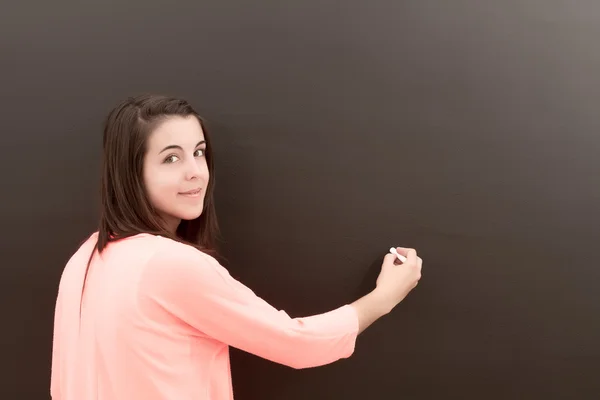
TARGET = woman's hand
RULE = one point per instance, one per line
(395, 281)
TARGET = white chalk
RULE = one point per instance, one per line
(400, 257)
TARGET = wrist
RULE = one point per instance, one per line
(384, 304)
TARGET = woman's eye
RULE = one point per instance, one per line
(171, 159)
(199, 153)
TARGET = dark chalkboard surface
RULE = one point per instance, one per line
(469, 130)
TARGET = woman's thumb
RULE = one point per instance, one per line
(389, 259)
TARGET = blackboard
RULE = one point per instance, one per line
(465, 129)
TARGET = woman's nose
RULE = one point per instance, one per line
(193, 170)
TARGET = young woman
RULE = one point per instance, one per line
(145, 310)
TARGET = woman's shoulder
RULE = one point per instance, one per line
(164, 249)
(170, 262)
(152, 245)
(84, 247)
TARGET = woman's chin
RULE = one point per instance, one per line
(189, 215)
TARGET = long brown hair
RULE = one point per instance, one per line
(125, 207)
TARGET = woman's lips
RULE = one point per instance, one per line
(192, 193)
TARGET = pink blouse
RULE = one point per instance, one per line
(157, 321)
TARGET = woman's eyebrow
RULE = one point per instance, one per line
(174, 146)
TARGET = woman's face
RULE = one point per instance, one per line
(175, 170)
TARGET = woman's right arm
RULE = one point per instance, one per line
(197, 290)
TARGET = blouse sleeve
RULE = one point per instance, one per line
(196, 289)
